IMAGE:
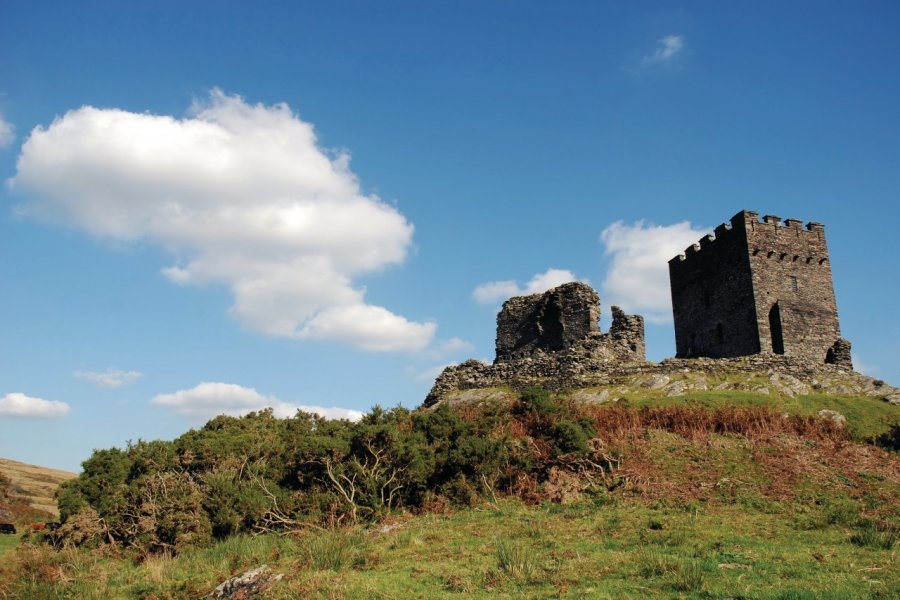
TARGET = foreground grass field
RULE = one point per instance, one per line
(763, 510)
(600, 548)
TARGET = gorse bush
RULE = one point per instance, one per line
(258, 472)
(261, 473)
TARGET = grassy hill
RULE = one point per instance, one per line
(719, 494)
(27, 496)
(34, 486)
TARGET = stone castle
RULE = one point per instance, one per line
(756, 297)
(757, 288)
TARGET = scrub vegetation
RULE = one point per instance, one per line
(714, 495)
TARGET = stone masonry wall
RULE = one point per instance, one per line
(554, 336)
(793, 287)
(712, 296)
(549, 322)
(756, 287)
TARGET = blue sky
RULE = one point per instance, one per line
(211, 208)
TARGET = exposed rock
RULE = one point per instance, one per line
(676, 388)
(832, 415)
(787, 384)
(248, 585)
(589, 396)
(656, 381)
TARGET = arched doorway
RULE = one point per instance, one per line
(775, 329)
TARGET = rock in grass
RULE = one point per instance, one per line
(834, 416)
(248, 585)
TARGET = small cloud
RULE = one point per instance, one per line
(638, 278)
(17, 404)
(209, 399)
(453, 346)
(668, 50)
(864, 367)
(110, 378)
(7, 132)
(429, 374)
(495, 291)
(368, 327)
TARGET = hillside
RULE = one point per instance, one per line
(708, 494)
(29, 490)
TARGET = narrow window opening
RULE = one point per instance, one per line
(795, 285)
(775, 329)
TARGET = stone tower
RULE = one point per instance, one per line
(757, 288)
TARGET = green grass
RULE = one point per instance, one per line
(584, 550)
(8, 542)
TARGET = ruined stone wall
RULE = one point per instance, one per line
(796, 311)
(554, 339)
(712, 296)
(627, 333)
(548, 322)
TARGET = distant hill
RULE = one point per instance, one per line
(27, 491)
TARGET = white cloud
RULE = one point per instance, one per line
(667, 51)
(241, 195)
(496, 291)
(17, 404)
(864, 367)
(453, 346)
(7, 133)
(207, 400)
(368, 327)
(638, 276)
(110, 378)
(429, 374)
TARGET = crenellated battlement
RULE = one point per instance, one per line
(770, 232)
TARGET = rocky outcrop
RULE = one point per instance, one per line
(607, 381)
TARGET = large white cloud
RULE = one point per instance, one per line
(638, 276)
(7, 133)
(110, 378)
(495, 291)
(207, 400)
(17, 404)
(240, 194)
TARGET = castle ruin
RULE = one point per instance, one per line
(755, 298)
(757, 288)
(564, 318)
